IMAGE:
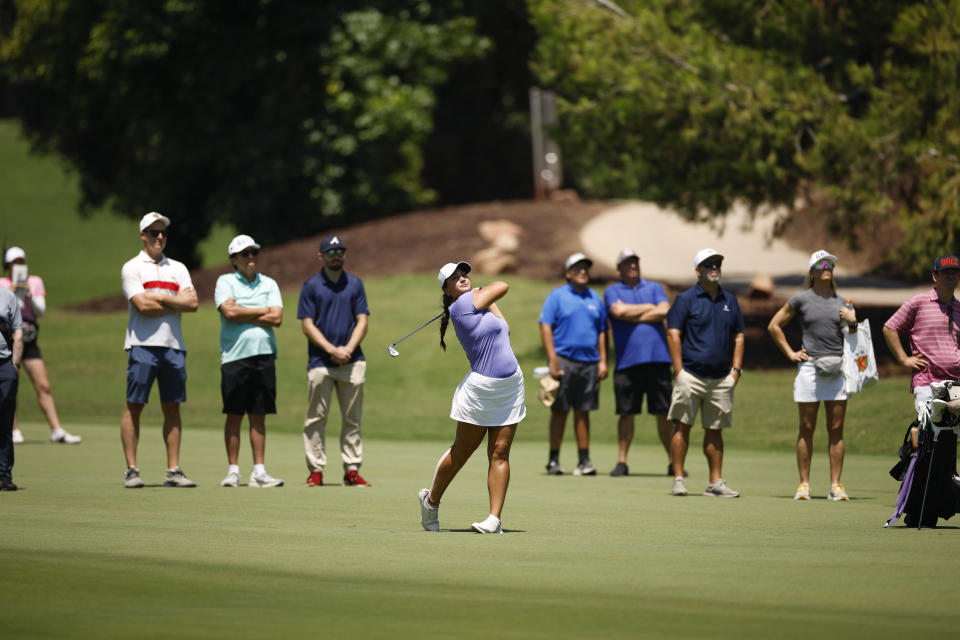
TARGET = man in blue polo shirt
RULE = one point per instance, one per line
(705, 338)
(572, 326)
(250, 307)
(333, 314)
(636, 309)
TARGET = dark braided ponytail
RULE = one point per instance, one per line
(447, 301)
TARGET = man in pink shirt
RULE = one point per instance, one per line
(932, 322)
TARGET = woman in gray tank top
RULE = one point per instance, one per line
(819, 378)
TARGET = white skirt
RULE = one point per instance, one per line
(809, 387)
(489, 402)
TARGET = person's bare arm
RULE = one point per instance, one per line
(183, 300)
(17, 348)
(674, 342)
(148, 304)
(642, 312)
(546, 336)
(602, 348)
(780, 319)
(915, 362)
(486, 296)
(737, 362)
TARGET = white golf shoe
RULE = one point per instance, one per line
(60, 436)
(490, 525)
(429, 515)
(17, 436)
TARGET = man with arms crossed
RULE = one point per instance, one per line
(636, 309)
(11, 354)
(573, 325)
(250, 306)
(158, 290)
(705, 337)
(333, 315)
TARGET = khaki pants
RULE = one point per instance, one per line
(348, 380)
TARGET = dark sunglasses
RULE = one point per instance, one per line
(713, 264)
(155, 233)
(248, 253)
(335, 252)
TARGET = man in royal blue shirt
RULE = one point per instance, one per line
(572, 326)
(636, 309)
(333, 314)
(705, 338)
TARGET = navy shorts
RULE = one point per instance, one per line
(651, 378)
(165, 365)
(249, 385)
(579, 386)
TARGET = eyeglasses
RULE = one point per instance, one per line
(335, 252)
(824, 265)
(248, 253)
(713, 264)
(579, 267)
(155, 233)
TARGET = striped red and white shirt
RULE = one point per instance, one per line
(934, 330)
(168, 276)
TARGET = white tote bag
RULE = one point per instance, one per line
(859, 363)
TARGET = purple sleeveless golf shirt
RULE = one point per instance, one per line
(484, 337)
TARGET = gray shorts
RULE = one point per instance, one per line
(579, 386)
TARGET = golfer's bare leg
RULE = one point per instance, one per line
(665, 431)
(581, 424)
(625, 430)
(258, 436)
(37, 371)
(231, 437)
(808, 423)
(713, 450)
(679, 443)
(558, 422)
(835, 410)
(130, 431)
(171, 432)
(469, 437)
(498, 474)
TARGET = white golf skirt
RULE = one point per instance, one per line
(489, 402)
(809, 387)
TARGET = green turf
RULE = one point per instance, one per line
(581, 557)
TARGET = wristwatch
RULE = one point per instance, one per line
(738, 370)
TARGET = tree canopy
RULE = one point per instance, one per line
(851, 106)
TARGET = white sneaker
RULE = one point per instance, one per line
(264, 480)
(803, 492)
(17, 436)
(232, 480)
(719, 489)
(679, 487)
(429, 516)
(62, 437)
(490, 525)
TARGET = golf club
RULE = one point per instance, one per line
(392, 351)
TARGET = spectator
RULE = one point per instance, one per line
(33, 303)
(819, 366)
(333, 314)
(636, 309)
(250, 307)
(158, 290)
(11, 352)
(705, 337)
(572, 327)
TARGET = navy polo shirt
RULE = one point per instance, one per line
(708, 327)
(333, 307)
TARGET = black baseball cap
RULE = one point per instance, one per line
(329, 243)
(946, 262)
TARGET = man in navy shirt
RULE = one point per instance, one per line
(705, 337)
(636, 309)
(333, 314)
(572, 326)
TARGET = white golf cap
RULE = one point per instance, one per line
(240, 243)
(626, 254)
(703, 254)
(152, 217)
(447, 270)
(574, 259)
(817, 256)
(13, 253)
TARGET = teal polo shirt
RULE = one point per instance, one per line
(240, 340)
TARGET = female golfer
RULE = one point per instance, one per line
(32, 297)
(488, 401)
(819, 372)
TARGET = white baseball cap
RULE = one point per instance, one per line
(240, 243)
(574, 259)
(703, 254)
(447, 270)
(13, 253)
(152, 217)
(626, 254)
(817, 256)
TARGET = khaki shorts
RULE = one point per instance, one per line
(714, 396)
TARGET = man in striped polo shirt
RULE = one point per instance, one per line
(932, 322)
(157, 289)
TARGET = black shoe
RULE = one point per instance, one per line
(670, 471)
(620, 470)
(554, 468)
(6, 484)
